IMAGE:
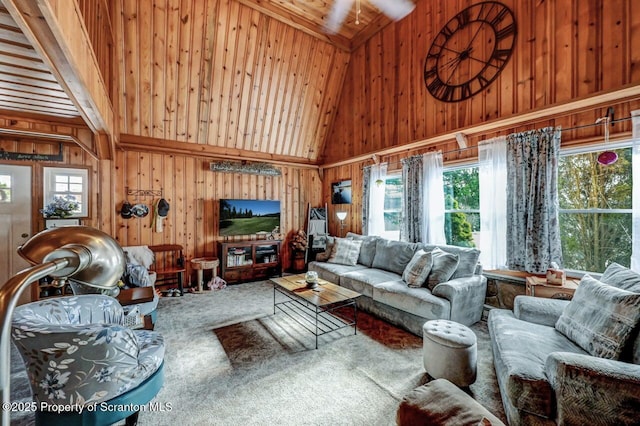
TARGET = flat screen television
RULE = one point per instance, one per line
(247, 217)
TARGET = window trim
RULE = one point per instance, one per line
(393, 235)
(585, 149)
(48, 186)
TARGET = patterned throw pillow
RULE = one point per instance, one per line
(416, 272)
(621, 277)
(444, 266)
(600, 318)
(345, 251)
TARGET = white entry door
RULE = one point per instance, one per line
(15, 220)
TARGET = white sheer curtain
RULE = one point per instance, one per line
(433, 199)
(375, 220)
(635, 215)
(492, 157)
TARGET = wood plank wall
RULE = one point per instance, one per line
(565, 49)
(222, 74)
(193, 192)
(97, 19)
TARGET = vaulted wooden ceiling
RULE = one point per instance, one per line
(26, 83)
(238, 78)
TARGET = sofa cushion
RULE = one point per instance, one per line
(600, 318)
(368, 248)
(416, 301)
(443, 267)
(393, 255)
(345, 251)
(621, 277)
(417, 271)
(468, 259)
(520, 350)
(364, 280)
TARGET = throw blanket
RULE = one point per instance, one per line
(139, 255)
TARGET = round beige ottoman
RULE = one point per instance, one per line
(450, 351)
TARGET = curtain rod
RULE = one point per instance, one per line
(583, 126)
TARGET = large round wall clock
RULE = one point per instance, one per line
(470, 51)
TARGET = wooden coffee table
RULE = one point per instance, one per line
(316, 309)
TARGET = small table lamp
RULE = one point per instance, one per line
(81, 253)
(341, 217)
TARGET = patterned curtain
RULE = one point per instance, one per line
(533, 228)
(412, 213)
(366, 188)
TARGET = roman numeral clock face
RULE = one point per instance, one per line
(470, 51)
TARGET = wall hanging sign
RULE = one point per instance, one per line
(341, 192)
(263, 169)
(29, 156)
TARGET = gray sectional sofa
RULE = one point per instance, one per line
(378, 276)
(572, 363)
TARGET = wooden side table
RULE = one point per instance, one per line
(538, 287)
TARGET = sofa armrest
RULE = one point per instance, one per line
(538, 310)
(585, 385)
(466, 296)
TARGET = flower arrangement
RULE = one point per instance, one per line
(61, 207)
(299, 241)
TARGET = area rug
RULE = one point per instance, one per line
(231, 361)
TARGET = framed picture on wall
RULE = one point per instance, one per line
(341, 192)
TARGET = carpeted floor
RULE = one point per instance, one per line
(230, 361)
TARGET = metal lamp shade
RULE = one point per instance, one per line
(107, 260)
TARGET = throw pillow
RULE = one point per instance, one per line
(416, 272)
(345, 251)
(600, 318)
(393, 256)
(444, 266)
(368, 249)
(323, 256)
(621, 277)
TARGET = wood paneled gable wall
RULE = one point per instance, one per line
(222, 74)
(568, 53)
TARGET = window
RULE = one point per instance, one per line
(64, 182)
(462, 206)
(5, 188)
(392, 206)
(595, 210)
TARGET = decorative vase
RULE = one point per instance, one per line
(298, 261)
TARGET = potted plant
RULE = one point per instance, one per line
(60, 207)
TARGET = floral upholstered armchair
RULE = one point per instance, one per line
(77, 352)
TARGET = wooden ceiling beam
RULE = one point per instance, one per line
(277, 12)
(143, 143)
(626, 93)
(57, 33)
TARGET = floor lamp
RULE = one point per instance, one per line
(341, 217)
(81, 253)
